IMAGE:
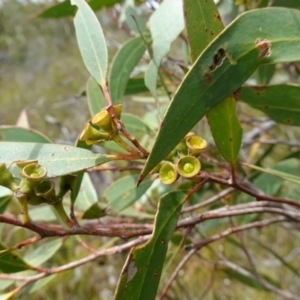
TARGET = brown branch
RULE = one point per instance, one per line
(229, 231)
(110, 109)
(209, 201)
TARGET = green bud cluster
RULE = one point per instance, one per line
(32, 187)
(101, 127)
(182, 161)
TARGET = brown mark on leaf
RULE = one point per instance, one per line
(131, 269)
(217, 16)
(289, 121)
(230, 140)
(237, 94)
(259, 89)
(266, 107)
(208, 78)
(155, 273)
(264, 48)
(218, 59)
(212, 33)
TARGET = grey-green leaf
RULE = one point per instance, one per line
(57, 159)
(123, 192)
(91, 41)
(165, 25)
(123, 64)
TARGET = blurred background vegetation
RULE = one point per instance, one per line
(41, 71)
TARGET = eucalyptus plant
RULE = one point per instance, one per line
(190, 178)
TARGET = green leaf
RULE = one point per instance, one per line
(44, 252)
(130, 13)
(234, 275)
(203, 24)
(136, 86)
(142, 270)
(5, 196)
(94, 212)
(123, 192)
(273, 185)
(265, 73)
(80, 174)
(226, 128)
(222, 118)
(256, 37)
(135, 125)
(20, 134)
(280, 102)
(287, 3)
(96, 4)
(5, 284)
(95, 96)
(65, 9)
(165, 24)
(37, 285)
(123, 64)
(283, 175)
(91, 41)
(87, 195)
(59, 10)
(11, 262)
(57, 159)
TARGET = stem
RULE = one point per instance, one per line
(120, 126)
(117, 139)
(62, 213)
(22, 198)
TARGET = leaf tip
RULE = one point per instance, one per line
(140, 179)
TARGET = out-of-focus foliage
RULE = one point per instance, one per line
(98, 95)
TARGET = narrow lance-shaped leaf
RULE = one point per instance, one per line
(123, 192)
(142, 270)
(91, 41)
(11, 262)
(57, 159)
(203, 23)
(123, 64)
(283, 175)
(269, 35)
(226, 128)
(95, 96)
(20, 134)
(280, 102)
(165, 24)
(65, 9)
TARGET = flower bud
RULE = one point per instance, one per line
(92, 136)
(46, 191)
(188, 166)
(66, 184)
(32, 174)
(103, 120)
(168, 173)
(23, 163)
(33, 199)
(6, 178)
(196, 144)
